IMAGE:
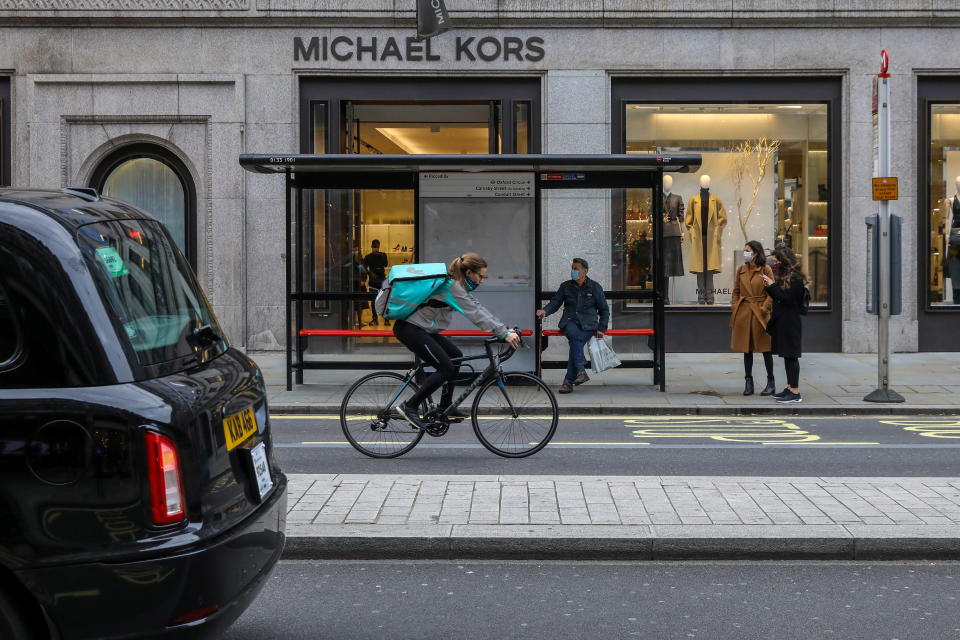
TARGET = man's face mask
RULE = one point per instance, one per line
(574, 274)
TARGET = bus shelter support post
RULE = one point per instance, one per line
(287, 323)
(297, 241)
(659, 288)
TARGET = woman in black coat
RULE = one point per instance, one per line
(785, 326)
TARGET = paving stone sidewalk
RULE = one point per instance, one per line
(706, 383)
(621, 516)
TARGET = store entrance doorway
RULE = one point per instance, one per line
(421, 127)
(382, 222)
(388, 116)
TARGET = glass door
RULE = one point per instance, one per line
(358, 235)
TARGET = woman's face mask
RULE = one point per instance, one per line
(469, 283)
(748, 255)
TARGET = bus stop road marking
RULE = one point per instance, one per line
(929, 428)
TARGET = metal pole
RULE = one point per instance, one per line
(883, 392)
(883, 327)
(659, 285)
(297, 254)
(288, 296)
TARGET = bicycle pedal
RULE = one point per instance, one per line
(455, 420)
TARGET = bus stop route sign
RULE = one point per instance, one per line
(886, 189)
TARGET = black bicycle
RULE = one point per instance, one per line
(514, 414)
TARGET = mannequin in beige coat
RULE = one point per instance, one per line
(716, 221)
(749, 314)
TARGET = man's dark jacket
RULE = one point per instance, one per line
(583, 304)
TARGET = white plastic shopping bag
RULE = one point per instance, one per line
(602, 357)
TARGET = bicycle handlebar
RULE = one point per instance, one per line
(506, 354)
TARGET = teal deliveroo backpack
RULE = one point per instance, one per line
(410, 286)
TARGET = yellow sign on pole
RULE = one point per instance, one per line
(886, 189)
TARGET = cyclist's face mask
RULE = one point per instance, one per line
(470, 284)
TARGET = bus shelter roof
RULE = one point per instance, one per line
(556, 170)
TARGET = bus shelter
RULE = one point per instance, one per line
(491, 204)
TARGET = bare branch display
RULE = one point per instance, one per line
(751, 165)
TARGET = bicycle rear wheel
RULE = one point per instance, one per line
(369, 419)
(517, 419)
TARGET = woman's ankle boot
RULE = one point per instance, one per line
(748, 387)
(770, 389)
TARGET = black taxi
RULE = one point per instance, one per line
(139, 495)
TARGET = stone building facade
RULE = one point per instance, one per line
(88, 85)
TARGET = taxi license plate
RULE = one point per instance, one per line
(238, 427)
(261, 470)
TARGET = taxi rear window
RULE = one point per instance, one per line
(148, 286)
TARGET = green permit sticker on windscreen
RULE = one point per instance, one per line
(112, 261)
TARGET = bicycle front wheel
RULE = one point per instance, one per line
(369, 419)
(516, 415)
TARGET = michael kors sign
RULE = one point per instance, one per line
(380, 49)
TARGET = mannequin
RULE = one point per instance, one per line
(672, 231)
(705, 219)
(952, 233)
(788, 227)
(641, 257)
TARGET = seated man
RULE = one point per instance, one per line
(585, 314)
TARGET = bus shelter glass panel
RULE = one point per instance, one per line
(356, 236)
(491, 214)
(625, 268)
(764, 177)
(943, 267)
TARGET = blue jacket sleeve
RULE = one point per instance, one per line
(603, 308)
(555, 301)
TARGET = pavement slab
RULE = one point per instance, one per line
(623, 517)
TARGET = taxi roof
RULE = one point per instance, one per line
(73, 207)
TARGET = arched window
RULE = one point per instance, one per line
(153, 179)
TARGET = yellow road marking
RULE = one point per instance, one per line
(932, 428)
(816, 443)
(621, 444)
(394, 442)
(732, 429)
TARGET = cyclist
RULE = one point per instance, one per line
(420, 333)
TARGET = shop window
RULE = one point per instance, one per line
(151, 178)
(764, 177)
(943, 266)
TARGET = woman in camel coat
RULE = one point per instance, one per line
(750, 313)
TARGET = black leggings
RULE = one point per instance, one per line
(434, 350)
(792, 365)
(748, 364)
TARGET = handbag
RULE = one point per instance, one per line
(805, 302)
(602, 357)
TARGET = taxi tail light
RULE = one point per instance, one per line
(166, 484)
(193, 616)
